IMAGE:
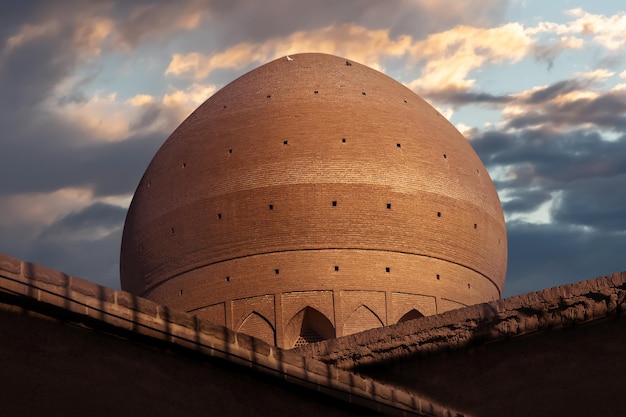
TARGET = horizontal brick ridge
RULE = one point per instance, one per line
(552, 308)
(158, 284)
(52, 293)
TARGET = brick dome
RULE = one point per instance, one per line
(314, 197)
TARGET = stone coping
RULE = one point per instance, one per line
(553, 308)
(68, 298)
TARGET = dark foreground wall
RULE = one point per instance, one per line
(70, 347)
(575, 371)
(59, 369)
(50, 368)
(556, 352)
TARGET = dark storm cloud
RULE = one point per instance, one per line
(96, 260)
(98, 215)
(84, 243)
(140, 19)
(492, 143)
(526, 201)
(31, 65)
(554, 156)
(233, 21)
(45, 165)
(457, 97)
(15, 13)
(28, 73)
(596, 202)
(69, 244)
(607, 111)
(242, 20)
(581, 169)
(554, 90)
(543, 256)
(585, 171)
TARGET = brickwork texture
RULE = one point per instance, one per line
(309, 176)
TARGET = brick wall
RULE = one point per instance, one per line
(315, 176)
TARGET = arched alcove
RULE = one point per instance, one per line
(257, 326)
(308, 326)
(361, 319)
(411, 315)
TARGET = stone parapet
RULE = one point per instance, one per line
(521, 315)
(51, 294)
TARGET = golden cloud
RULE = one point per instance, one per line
(609, 32)
(356, 42)
(449, 55)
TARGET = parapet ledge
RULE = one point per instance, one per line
(553, 308)
(46, 293)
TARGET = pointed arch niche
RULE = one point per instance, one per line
(361, 319)
(411, 315)
(308, 326)
(257, 326)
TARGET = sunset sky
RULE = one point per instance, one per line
(89, 90)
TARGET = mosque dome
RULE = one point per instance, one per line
(311, 198)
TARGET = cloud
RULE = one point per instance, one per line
(526, 200)
(446, 58)
(594, 202)
(461, 96)
(141, 100)
(543, 256)
(84, 243)
(606, 111)
(94, 222)
(107, 168)
(607, 31)
(570, 180)
(240, 21)
(544, 94)
(189, 98)
(583, 101)
(356, 42)
(138, 20)
(451, 55)
(555, 157)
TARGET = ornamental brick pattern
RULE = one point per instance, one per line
(314, 176)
